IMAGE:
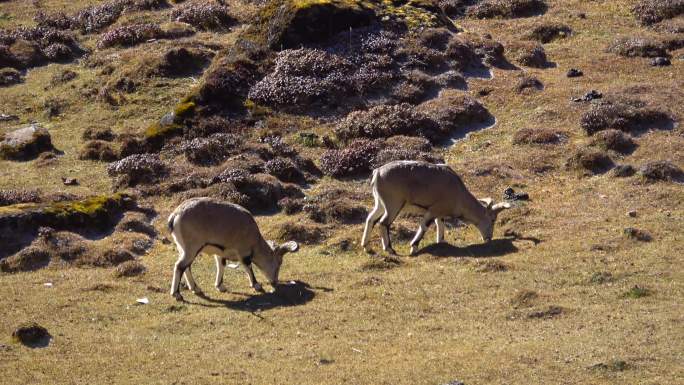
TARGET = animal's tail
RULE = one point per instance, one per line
(172, 218)
(374, 178)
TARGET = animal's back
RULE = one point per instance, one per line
(214, 221)
(419, 183)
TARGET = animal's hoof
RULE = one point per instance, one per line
(414, 251)
(178, 296)
(221, 288)
(258, 288)
(198, 291)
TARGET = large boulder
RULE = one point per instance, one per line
(25, 143)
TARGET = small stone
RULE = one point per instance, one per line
(70, 181)
(660, 62)
(632, 213)
(455, 382)
(574, 73)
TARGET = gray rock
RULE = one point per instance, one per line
(25, 143)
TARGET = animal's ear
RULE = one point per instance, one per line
(290, 247)
(487, 202)
(501, 206)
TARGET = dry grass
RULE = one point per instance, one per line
(427, 320)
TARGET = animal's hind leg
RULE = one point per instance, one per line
(190, 280)
(372, 219)
(184, 261)
(220, 266)
(391, 212)
(439, 223)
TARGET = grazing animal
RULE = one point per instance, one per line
(230, 233)
(434, 188)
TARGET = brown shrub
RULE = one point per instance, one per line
(284, 169)
(291, 205)
(97, 150)
(213, 16)
(385, 121)
(108, 258)
(629, 116)
(129, 269)
(623, 171)
(614, 140)
(354, 160)
(662, 171)
(138, 169)
(337, 206)
(301, 232)
(28, 259)
(528, 82)
(528, 54)
(638, 234)
(523, 298)
(653, 11)
(487, 9)
(12, 197)
(136, 223)
(129, 35)
(634, 46)
(99, 133)
(212, 150)
(9, 76)
(590, 161)
(178, 62)
(538, 136)
(547, 32)
(454, 113)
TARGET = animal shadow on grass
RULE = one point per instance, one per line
(294, 293)
(495, 248)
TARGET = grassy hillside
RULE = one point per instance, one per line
(565, 293)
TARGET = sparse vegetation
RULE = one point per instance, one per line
(337, 310)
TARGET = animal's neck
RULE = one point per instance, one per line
(473, 211)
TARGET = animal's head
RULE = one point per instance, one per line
(486, 224)
(272, 267)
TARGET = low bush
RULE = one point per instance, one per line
(538, 136)
(97, 150)
(212, 16)
(138, 169)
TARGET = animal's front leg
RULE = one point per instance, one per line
(247, 265)
(220, 266)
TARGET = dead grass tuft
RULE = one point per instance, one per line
(638, 234)
(548, 32)
(305, 233)
(548, 313)
(590, 161)
(528, 83)
(634, 46)
(662, 171)
(653, 11)
(637, 292)
(492, 267)
(488, 9)
(614, 140)
(528, 54)
(129, 269)
(539, 136)
(523, 298)
(97, 150)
